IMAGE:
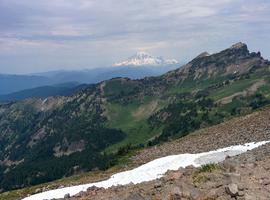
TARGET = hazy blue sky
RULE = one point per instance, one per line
(42, 35)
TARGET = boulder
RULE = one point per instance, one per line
(232, 189)
(174, 197)
(67, 196)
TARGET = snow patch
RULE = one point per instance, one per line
(42, 104)
(44, 101)
(153, 170)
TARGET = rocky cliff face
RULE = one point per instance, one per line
(236, 60)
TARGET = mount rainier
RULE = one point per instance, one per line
(144, 59)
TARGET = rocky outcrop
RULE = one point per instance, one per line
(236, 60)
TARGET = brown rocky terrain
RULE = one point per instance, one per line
(244, 177)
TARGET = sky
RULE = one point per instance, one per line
(45, 35)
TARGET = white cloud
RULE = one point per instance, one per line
(93, 33)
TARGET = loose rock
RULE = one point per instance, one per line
(232, 190)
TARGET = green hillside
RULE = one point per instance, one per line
(41, 141)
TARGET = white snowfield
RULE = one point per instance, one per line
(152, 170)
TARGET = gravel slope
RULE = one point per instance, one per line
(251, 128)
(244, 177)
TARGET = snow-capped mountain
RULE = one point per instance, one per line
(144, 59)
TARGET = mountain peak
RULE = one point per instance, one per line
(203, 54)
(145, 59)
(239, 45)
(234, 60)
(142, 53)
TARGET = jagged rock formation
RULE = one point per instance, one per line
(236, 60)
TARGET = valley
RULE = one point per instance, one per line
(240, 130)
(99, 126)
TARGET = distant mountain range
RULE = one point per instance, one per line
(64, 89)
(13, 83)
(15, 87)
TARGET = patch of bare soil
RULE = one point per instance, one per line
(145, 110)
(251, 90)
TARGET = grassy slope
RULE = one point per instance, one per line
(132, 119)
(190, 85)
(265, 89)
(233, 88)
